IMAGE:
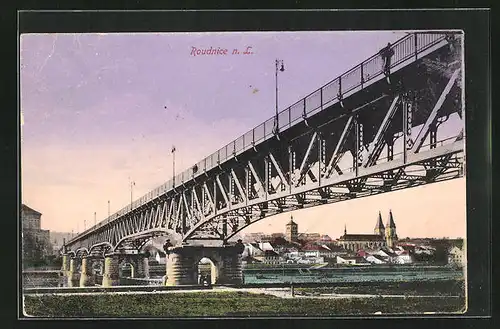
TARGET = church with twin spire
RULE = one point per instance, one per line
(384, 236)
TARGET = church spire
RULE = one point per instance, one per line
(380, 224)
(390, 221)
(379, 227)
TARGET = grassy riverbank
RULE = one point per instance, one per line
(412, 288)
(227, 304)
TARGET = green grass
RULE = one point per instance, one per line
(217, 304)
(411, 288)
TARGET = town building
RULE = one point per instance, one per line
(292, 230)
(310, 237)
(325, 239)
(270, 257)
(278, 235)
(252, 250)
(352, 260)
(375, 259)
(383, 236)
(456, 256)
(35, 241)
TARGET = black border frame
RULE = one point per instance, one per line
(476, 25)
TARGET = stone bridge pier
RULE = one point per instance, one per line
(182, 264)
(73, 273)
(65, 264)
(112, 262)
(87, 276)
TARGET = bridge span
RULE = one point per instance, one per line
(374, 129)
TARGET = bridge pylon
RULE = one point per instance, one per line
(182, 264)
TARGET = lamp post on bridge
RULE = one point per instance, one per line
(282, 69)
(84, 224)
(109, 212)
(132, 184)
(95, 218)
(173, 165)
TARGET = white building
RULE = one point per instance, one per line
(456, 256)
(252, 250)
(265, 246)
(351, 260)
(311, 260)
(375, 259)
(403, 258)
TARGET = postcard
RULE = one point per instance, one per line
(245, 174)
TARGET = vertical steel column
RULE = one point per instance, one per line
(320, 99)
(248, 182)
(390, 147)
(321, 156)
(191, 203)
(433, 135)
(183, 219)
(267, 175)
(291, 167)
(216, 206)
(224, 230)
(203, 200)
(433, 142)
(231, 189)
(339, 94)
(415, 45)
(362, 76)
(358, 156)
(407, 126)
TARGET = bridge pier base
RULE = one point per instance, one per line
(65, 264)
(73, 274)
(111, 275)
(142, 270)
(87, 278)
(182, 264)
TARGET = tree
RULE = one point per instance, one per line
(34, 250)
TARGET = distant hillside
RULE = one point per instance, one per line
(56, 238)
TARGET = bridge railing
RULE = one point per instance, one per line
(406, 48)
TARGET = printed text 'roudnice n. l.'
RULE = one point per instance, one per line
(195, 51)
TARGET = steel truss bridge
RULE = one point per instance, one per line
(360, 118)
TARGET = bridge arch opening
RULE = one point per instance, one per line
(127, 269)
(207, 271)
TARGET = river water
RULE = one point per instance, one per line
(276, 275)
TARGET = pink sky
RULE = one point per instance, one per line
(99, 109)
